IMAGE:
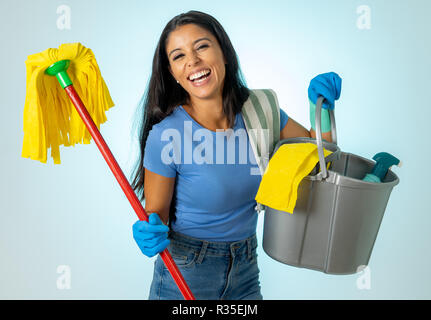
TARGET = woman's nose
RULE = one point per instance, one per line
(193, 59)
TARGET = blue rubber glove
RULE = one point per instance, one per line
(327, 85)
(151, 236)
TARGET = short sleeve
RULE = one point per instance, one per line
(283, 119)
(157, 156)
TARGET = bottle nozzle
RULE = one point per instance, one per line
(384, 161)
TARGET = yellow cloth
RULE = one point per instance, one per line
(50, 119)
(286, 169)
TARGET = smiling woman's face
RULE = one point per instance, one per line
(196, 61)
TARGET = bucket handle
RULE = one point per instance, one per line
(323, 174)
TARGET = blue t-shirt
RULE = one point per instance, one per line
(216, 175)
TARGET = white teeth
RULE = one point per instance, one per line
(198, 74)
(200, 80)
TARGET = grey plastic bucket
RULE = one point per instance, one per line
(337, 215)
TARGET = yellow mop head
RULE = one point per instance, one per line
(50, 119)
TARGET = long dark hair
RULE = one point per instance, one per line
(163, 94)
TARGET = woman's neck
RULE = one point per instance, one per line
(208, 113)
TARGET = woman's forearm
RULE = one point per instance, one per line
(326, 135)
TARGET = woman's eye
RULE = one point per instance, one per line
(180, 55)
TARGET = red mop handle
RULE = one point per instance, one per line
(122, 180)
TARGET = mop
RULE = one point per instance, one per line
(52, 117)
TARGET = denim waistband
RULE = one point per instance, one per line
(214, 247)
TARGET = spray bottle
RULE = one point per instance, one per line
(384, 161)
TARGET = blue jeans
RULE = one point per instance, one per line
(212, 270)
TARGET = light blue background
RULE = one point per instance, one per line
(75, 214)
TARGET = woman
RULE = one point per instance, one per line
(196, 86)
